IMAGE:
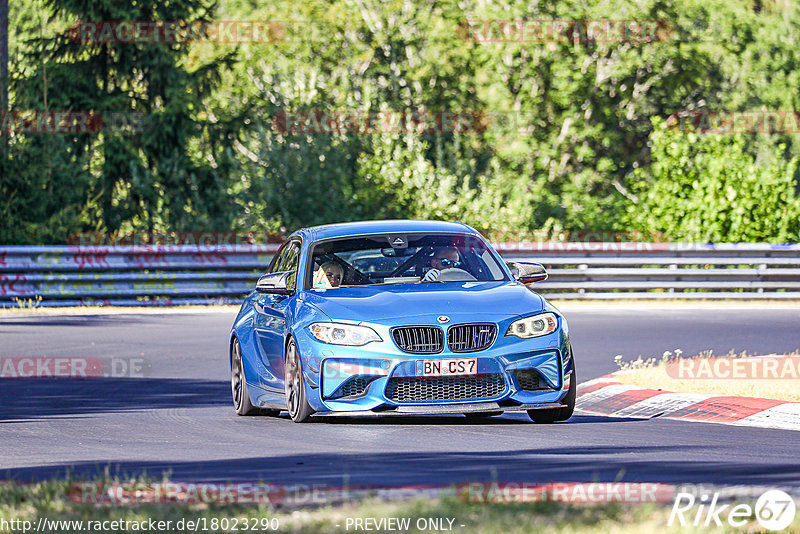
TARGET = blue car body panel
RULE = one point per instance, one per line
(266, 321)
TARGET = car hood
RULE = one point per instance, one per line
(461, 301)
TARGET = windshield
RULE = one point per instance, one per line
(402, 259)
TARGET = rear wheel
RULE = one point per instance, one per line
(558, 414)
(241, 398)
(296, 402)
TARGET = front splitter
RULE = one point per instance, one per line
(432, 409)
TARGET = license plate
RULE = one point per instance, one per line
(446, 367)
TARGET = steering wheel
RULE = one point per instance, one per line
(454, 274)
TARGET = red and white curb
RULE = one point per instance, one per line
(606, 396)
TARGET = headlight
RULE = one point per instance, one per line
(538, 325)
(343, 334)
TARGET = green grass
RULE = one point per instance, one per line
(51, 500)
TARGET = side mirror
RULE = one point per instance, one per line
(512, 266)
(527, 273)
(276, 283)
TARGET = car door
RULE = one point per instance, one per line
(271, 317)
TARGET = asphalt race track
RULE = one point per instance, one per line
(179, 417)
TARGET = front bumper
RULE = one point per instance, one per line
(512, 375)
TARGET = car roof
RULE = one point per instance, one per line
(395, 226)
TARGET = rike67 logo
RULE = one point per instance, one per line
(774, 510)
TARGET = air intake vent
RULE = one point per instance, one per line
(355, 386)
(419, 339)
(529, 380)
(470, 337)
(411, 389)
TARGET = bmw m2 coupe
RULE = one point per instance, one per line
(399, 317)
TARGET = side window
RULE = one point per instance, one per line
(289, 261)
(276, 260)
(290, 257)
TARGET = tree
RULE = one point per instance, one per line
(161, 159)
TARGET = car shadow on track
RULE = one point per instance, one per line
(631, 462)
(32, 399)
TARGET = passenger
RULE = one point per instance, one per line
(328, 275)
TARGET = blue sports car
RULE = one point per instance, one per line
(399, 317)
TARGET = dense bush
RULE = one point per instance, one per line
(709, 188)
(570, 136)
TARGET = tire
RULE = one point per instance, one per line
(475, 416)
(558, 414)
(241, 399)
(296, 402)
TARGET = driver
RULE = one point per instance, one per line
(443, 258)
(328, 275)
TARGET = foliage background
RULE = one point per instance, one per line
(577, 141)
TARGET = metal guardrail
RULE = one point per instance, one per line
(664, 270)
(143, 275)
(137, 275)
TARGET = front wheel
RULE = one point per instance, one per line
(558, 414)
(297, 404)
